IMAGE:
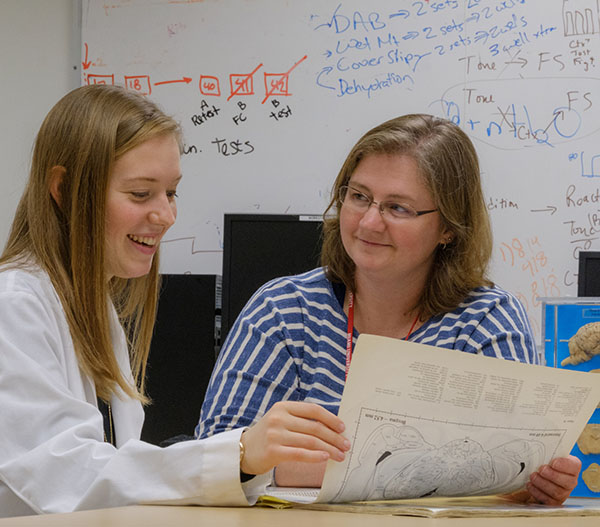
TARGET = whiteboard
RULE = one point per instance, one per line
(272, 94)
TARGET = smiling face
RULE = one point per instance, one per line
(140, 205)
(402, 251)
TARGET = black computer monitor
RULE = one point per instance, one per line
(259, 247)
(588, 279)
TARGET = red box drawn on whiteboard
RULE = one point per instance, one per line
(241, 84)
(100, 79)
(139, 84)
(209, 85)
(276, 84)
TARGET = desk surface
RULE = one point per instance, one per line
(159, 516)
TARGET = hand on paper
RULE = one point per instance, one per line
(551, 484)
(293, 431)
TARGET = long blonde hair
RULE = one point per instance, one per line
(448, 164)
(85, 133)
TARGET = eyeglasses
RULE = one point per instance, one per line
(357, 201)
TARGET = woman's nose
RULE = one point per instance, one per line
(164, 213)
(372, 218)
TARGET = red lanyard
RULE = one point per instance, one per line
(351, 331)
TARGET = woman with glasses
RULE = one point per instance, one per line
(405, 255)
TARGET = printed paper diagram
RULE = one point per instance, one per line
(400, 459)
(427, 421)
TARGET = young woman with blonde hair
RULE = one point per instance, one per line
(78, 294)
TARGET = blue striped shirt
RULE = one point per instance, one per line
(289, 343)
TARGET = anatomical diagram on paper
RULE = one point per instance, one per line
(426, 421)
(416, 460)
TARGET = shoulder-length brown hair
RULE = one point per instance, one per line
(85, 133)
(448, 164)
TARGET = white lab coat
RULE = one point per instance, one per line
(52, 454)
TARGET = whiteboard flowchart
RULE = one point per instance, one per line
(272, 95)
